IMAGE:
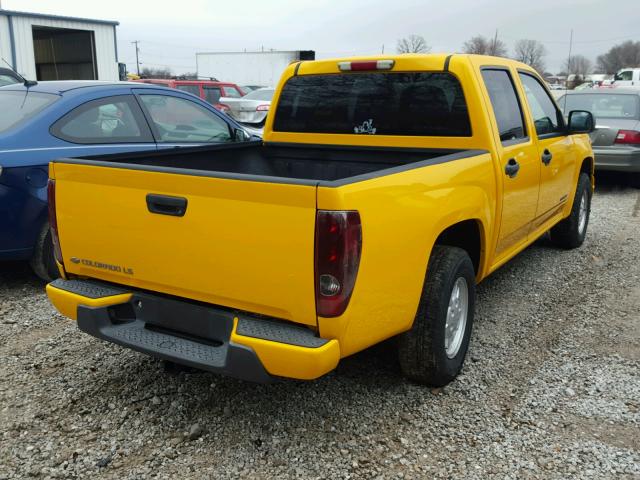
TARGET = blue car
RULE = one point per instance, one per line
(51, 120)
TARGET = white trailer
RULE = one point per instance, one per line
(248, 68)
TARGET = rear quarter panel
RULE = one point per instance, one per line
(402, 216)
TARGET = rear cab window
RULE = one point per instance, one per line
(603, 105)
(374, 103)
(20, 106)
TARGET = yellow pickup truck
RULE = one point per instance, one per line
(384, 189)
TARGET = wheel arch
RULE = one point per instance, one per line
(587, 166)
(468, 235)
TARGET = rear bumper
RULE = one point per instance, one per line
(194, 334)
(625, 159)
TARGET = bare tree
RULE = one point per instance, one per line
(531, 52)
(626, 54)
(484, 46)
(148, 72)
(413, 44)
(578, 65)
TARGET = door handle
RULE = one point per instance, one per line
(546, 156)
(511, 168)
(166, 205)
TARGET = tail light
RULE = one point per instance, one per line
(223, 108)
(53, 220)
(337, 256)
(262, 108)
(628, 137)
(366, 65)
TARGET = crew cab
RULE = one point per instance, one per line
(384, 190)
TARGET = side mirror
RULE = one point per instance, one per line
(240, 135)
(580, 121)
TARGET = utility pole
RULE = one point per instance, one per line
(494, 47)
(383, 48)
(137, 59)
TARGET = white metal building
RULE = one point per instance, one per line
(50, 47)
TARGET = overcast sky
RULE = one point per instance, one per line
(171, 32)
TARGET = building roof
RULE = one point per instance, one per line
(13, 13)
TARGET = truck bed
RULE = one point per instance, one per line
(282, 163)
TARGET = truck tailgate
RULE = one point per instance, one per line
(242, 244)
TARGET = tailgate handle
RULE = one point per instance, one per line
(166, 205)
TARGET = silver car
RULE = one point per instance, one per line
(250, 110)
(616, 139)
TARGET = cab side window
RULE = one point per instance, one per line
(506, 106)
(181, 120)
(546, 116)
(624, 75)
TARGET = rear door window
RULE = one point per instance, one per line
(194, 89)
(506, 106)
(410, 104)
(19, 106)
(115, 119)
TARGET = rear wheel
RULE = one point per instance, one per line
(43, 262)
(571, 232)
(433, 351)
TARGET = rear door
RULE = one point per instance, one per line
(518, 158)
(247, 245)
(555, 149)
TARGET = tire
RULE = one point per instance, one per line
(43, 262)
(422, 352)
(571, 232)
(634, 180)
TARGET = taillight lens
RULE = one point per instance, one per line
(262, 108)
(53, 220)
(337, 256)
(359, 66)
(628, 137)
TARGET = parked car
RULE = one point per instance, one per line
(8, 77)
(208, 90)
(627, 77)
(64, 119)
(616, 140)
(251, 88)
(250, 110)
(386, 188)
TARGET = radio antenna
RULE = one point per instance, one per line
(27, 83)
(564, 107)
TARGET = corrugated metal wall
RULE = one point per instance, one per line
(5, 44)
(104, 34)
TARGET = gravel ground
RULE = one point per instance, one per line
(551, 388)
